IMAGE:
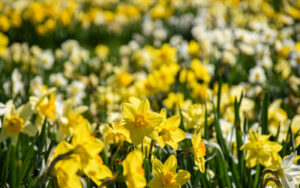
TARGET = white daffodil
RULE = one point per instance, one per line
(288, 171)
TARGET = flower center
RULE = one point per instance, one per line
(169, 179)
(142, 120)
(165, 133)
(14, 124)
(257, 76)
(202, 149)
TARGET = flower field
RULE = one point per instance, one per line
(149, 93)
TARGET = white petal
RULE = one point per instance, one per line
(294, 170)
(287, 182)
(287, 162)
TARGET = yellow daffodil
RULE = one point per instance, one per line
(133, 170)
(169, 133)
(199, 151)
(165, 174)
(261, 151)
(140, 121)
(84, 151)
(16, 121)
(194, 116)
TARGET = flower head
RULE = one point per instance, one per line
(16, 121)
(199, 151)
(165, 174)
(133, 170)
(140, 121)
(169, 131)
(261, 151)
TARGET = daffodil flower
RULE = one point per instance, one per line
(261, 151)
(199, 151)
(140, 121)
(84, 151)
(165, 174)
(169, 131)
(133, 171)
(16, 121)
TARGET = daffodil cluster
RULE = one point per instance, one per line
(149, 93)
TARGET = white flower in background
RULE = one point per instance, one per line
(257, 75)
(134, 45)
(288, 172)
(100, 18)
(17, 84)
(58, 80)
(76, 90)
(246, 49)
(176, 40)
(36, 85)
(229, 58)
(69, 46)
(2, 111)
(266, 62)
(160, 34)
(46, 59)
(269, 36)
(147, 26)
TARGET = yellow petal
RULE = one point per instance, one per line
(170, 165)
(128, 111)
(62, 148)
(178, 134)
(157, 167)
(144, 107)
(173, 121)
(156, 183)
(183, 177)
(156, 119)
